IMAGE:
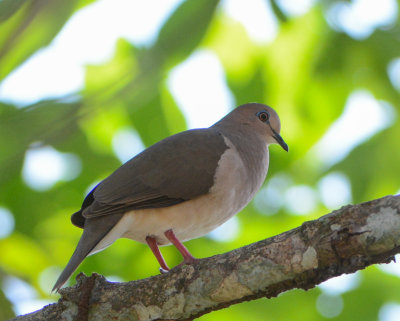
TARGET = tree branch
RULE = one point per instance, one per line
(343, 241)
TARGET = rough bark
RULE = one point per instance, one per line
(344, 241)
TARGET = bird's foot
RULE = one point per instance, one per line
(163, 271)
(188, 260)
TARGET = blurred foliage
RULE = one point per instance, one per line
(307, 73)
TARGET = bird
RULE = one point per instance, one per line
(180, 188)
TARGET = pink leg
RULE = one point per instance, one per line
(187, 257)
(151, 241)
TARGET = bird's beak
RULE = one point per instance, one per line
(280, 140)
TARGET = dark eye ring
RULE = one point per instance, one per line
(263, 116)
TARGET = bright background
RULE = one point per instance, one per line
(85, 85)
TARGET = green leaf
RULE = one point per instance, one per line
(184, 30)
(278, 11)
(45, 122)
(31, 28)
(9, 7)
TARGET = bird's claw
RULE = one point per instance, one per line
(163, 271)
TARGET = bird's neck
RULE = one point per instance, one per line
(252, 148)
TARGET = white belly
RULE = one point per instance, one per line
(197, 217)
(188, 220)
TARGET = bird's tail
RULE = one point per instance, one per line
(95, 230)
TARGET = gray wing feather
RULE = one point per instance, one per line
(178, 168)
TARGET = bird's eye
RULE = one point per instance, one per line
(263, 116)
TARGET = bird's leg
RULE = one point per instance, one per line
(187, 257)
(152, 242)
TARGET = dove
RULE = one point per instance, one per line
(180, 188)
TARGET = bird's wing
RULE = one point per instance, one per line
(177, 169)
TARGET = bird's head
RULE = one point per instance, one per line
(260, 119)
